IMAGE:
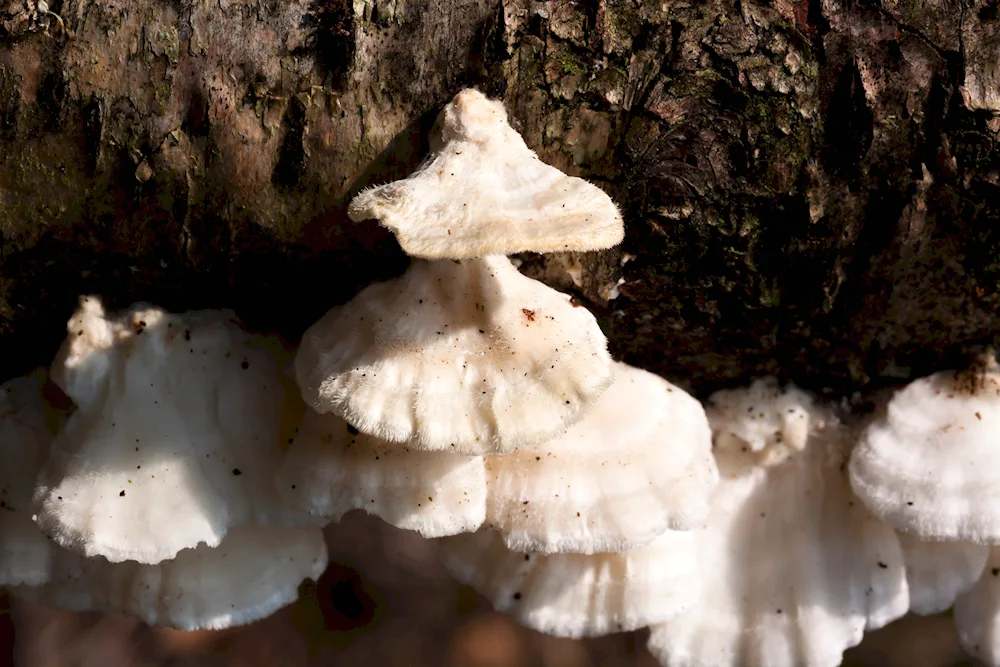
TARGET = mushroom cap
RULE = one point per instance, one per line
(469, 357)
(483, 191)
(928, 465)
(177, 425)
(793, 568)
(639, 463)
(26, 555)
(333, 468)
(977, 614)
(937, 572)
(253, 572)
(578, 595)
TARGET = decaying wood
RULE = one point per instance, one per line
(811, 187)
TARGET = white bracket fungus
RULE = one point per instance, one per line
(579, 595)
(638, 464)
(176, 436)
(483, 191)
(793, 569)
(928, 466)
(469, 357)
(332, 469)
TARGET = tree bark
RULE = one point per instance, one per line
(811, 187)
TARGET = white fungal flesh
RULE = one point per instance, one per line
(176, 438)
(26, 555)
(937, 572)
(928, 466)
(977, 614)
(771, 421)
(485, 192)
(579, 595)
(333, 469)
(793, 568)
(468, 357)
(639, 463)
(253, 572)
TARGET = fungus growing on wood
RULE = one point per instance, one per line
(793, 569)
(579, 595)
(332, 469)
(638, 464)
(928, 465)
(254, 571)
(468, 357)
(483, 191)
(177, 426)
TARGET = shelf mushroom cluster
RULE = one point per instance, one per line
(147, 487)
(166, 467)
(469, 402)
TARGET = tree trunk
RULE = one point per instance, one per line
(811, 187)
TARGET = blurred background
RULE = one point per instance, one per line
(383, 602)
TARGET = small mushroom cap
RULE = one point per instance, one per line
(468, 357)
(578, 595)
(177, 425)
(937, 572)
(977, 614)
(638, 464)
(928, 466)
(26, 555)
(483, 191)
(333, 468)
(793, 568)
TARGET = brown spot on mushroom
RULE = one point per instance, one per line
(237, 471)
(528, 314)
(122, 494)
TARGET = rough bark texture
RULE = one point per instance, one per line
(811, 187)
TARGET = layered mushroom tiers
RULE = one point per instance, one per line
(179, 468)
